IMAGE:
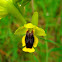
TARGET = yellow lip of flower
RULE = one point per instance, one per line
(37, 32)
(30, 50)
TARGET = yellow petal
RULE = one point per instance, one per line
(29, 25)
(21, 31)
(39, 31)
(23, 41)
(35, 41)
(30, 50)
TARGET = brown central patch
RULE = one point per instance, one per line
(29, 39)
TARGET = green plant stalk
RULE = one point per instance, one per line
(15, 12)
(46, 50)
(46, 38)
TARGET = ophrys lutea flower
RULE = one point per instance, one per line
(30, 32)
(29, 40)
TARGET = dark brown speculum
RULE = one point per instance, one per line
(29, 39)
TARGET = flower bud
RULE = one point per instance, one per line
(3, 12)
(5, 3)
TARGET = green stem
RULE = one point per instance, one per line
(47, 20)
(46, 51)
(15, 12)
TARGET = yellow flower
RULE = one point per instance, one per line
(4, 5)
(29, 40)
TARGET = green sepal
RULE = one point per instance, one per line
(35, 19)
(39, 31)
(21, 31)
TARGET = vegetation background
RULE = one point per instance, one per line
(50, 19)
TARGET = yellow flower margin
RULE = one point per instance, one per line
(29, 49)
(37, 32)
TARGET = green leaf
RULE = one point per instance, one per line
(24, 2)
(16, 1)
(35, 58)
(49, 41)
(55, 49)
(27, 61)
(61, 25)
(35, 18)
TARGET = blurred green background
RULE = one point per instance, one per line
(50, 19)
